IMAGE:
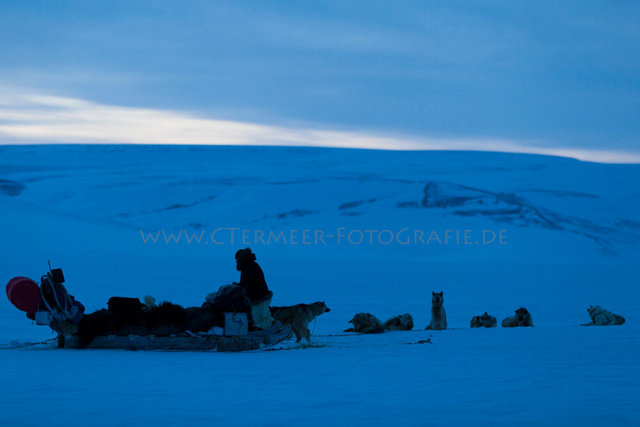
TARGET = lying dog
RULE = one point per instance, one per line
(402, 322)
(484, 321)
(601, 317)
(365, 323)
(299, 316)
(522, 318)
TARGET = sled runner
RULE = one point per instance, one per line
(130, 325)
(195, 342)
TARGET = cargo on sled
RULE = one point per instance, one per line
(222, 323)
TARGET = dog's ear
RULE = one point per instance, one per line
(434, 294)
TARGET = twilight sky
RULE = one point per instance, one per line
(547, 77)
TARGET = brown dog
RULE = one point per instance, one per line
(299, 316)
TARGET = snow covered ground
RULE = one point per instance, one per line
(570, 238)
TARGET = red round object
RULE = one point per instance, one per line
(24, 293)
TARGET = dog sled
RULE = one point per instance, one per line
(254, 340)
(219, 325)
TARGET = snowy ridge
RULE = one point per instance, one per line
(513, 209)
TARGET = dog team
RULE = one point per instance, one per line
(367, 323)
(258, 297)
(299, 316)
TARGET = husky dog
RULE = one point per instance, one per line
(365, 323)
(601, 317)
(484, 321)
(299, 316)
(402, 322)
(522, 318)
(438, 316)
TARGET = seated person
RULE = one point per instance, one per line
(252, 280)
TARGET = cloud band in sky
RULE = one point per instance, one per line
(32, 118)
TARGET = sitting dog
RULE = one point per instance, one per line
(601, 317)
(365, 323)
(522, 318)
(402, 322)
(484, 321)
(438, 315)
(299, 316)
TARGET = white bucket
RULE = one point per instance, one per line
(236, 324)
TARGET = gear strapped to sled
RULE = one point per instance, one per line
(48, 304)
(132, 325)
(59, 303)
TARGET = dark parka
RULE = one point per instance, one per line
(251, 276)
